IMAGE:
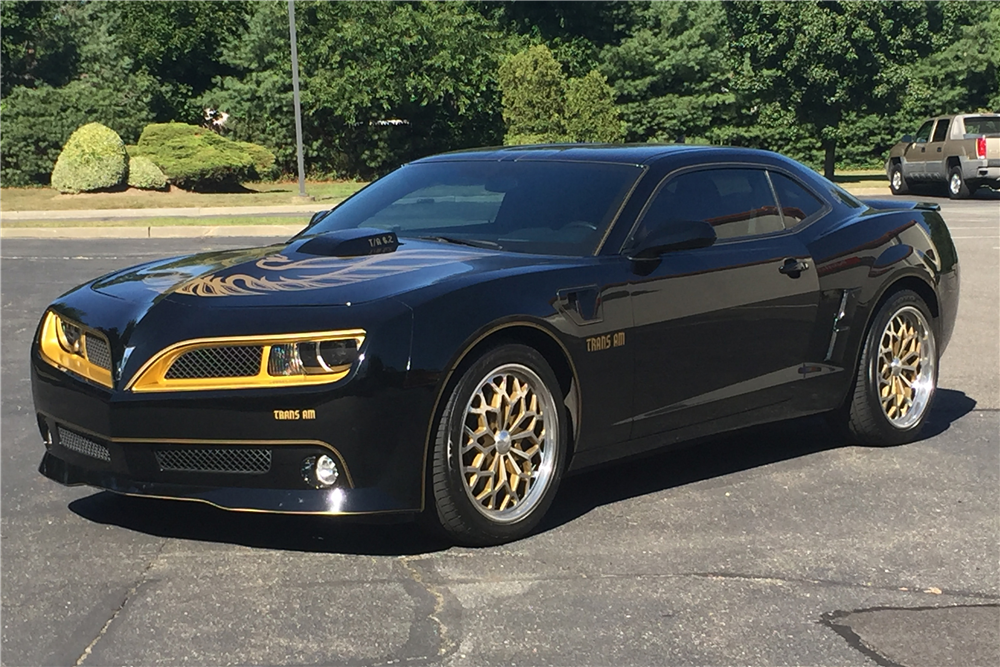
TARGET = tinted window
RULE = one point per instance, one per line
(796, 202)
(941, 131)
(982, 125)
(547, 207)
(737, 202)
(924, 133)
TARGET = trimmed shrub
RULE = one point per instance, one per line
(263, 159)
(94, 158)
(145, 175)
(37, 122)
(194, 158)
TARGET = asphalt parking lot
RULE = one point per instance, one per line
(774, 546)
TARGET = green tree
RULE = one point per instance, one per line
(37, 44)
(382, 83)
(179, 44)
(672, 72)
(534, 97)
(826, 60)
(575, 32)
(591, 113)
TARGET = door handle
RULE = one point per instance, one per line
(793, 268)
(939, 149)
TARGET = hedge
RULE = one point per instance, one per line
(195, 158)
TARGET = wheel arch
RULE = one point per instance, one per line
(524, 332)
(952, 162)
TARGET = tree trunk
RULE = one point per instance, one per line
(830, 159)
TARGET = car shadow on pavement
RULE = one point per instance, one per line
(204, 523)
(706, 459)
(719, 456)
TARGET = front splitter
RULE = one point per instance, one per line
(336, 501)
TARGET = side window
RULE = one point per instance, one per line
(924, 133)
(737, 202)
(941, 131)
(796, 202)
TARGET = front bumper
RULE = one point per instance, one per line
(229, 450)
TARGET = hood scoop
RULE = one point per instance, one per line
(357, 242)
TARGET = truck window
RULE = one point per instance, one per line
(924, 133)
(941, 131)
(980, 126)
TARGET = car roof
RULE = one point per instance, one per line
(617, 153)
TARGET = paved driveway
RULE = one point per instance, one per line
(773, 546)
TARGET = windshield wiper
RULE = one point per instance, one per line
(475, 243)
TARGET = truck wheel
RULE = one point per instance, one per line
(957, 187)
(897, 182)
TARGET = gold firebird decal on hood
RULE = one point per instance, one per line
(279, 273)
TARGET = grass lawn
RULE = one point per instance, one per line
(862, 178)
(300, 220)
(259, 194)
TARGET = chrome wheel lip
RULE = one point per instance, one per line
(889, 372)
(543, 473)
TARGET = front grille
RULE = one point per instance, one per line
(83, 445)
(217, 362)
(98, 352)
(231, 459)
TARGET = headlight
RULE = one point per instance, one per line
(75, 348)
(246, 362)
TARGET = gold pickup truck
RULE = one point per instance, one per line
(962, 152)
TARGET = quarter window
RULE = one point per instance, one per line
(941, 131)
(736, 202)
(796, 202)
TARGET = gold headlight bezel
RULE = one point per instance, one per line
(54, 349)
(151, 377)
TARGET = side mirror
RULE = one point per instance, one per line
(685, 235)
(907, 139)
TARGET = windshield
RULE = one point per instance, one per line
(550, 207)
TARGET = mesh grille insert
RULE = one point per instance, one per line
(231, 459)
(217, 362)
(83, 445)
(98, 352)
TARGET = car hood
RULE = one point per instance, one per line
(282, 275)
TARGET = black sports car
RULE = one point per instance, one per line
(461, 333)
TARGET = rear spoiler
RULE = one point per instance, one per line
(902, 204)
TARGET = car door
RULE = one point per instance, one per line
(723, 329)
(934, 164)
(915, 155)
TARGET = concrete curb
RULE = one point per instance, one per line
(165, 232)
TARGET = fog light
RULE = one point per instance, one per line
(326, 470)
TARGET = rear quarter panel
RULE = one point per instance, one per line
(863, 258)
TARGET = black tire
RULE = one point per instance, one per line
(452, 506)
(868, 417)
(897, 182)
(957, 186)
